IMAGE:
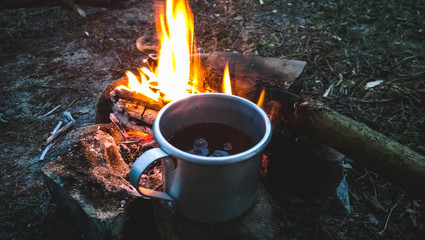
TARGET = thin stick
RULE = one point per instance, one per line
(68, 116)
(51, 111)
(69, 105)
(119, 59)
(60, 132)
(131, 190)
(388, 218)
(43, 155)
(1, 119)
(63, 129)
(57, 127)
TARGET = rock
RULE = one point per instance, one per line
(89, 185)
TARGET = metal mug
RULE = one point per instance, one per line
(201, 188)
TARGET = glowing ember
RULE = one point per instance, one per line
(136, 135)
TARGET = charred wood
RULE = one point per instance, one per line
(137, 99)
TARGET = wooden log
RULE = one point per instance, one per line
(140, 98)
(104, 102)
(246, 70)
(392, 160)
(133, 109)
(12, 4)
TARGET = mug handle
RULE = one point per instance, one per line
(140, 165)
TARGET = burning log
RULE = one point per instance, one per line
(137, 98)
(250, 75)
(135, 110)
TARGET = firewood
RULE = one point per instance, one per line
(394, 161)
(246, 72)
(137, 98)
(250, 74)
(57, 132)
(390, 159)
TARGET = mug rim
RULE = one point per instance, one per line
(177, 153)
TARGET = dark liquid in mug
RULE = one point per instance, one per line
(211, 139)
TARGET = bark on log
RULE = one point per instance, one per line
(11, 4)
(134, 110)
(394, 161)
(140, 98)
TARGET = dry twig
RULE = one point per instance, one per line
(57, 132)
(63, 129)
(388, 218)
(51, 111)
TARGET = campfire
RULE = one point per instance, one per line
(177, 70)
(170, 75)
(136, 104)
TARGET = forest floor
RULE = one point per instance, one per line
(53, 56)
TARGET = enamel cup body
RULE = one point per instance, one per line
(201, 188)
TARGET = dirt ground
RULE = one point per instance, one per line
(53, 56)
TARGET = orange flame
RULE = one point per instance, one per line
(178, 63)
(227, 85)
(260, 102)
(142, 86)
(177, 67)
